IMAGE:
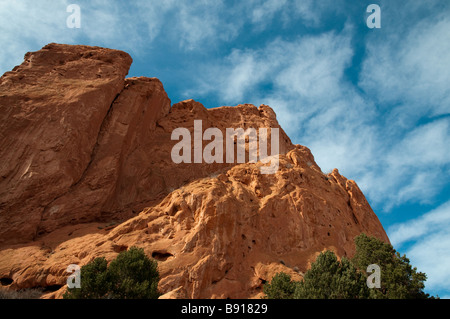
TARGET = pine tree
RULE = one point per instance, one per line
(330, 278)
(280, 287)
(96, 282)
(399, 280)
(132, 275)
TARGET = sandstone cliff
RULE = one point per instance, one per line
(86, 172)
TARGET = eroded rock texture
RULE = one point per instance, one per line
(86, 171)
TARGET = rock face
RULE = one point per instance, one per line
(87, 172)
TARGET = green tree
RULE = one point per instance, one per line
(95, 279)
(132, 275)
(399, 280)
(280, 287)
(330, 278)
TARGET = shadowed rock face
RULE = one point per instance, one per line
(86, 171)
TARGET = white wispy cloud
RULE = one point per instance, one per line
(25, 26)
(265, 10)
(406, 72)
(299, 71)
(432, 222)
(28, 25)
(431, 255)
(261, 13)
(203, 23)
(410, 69)
(428, 238)
(409, 168)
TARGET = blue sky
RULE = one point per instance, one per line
(374, 103)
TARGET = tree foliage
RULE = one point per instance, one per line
(281, 287)
(132, 275)
(330, 278)
(399, 280)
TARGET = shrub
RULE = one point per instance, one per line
(330, 278)
(132, 275)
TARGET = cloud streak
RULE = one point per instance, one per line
(429, 244)
(303, 80)
(411, 71)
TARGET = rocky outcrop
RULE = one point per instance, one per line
(52, 109)
(88, 173)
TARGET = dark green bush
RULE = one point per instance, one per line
(281, 287)
(330, 278)
(399, 280)
(132, 275)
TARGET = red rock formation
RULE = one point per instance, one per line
(88, 173)
(52, 109)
